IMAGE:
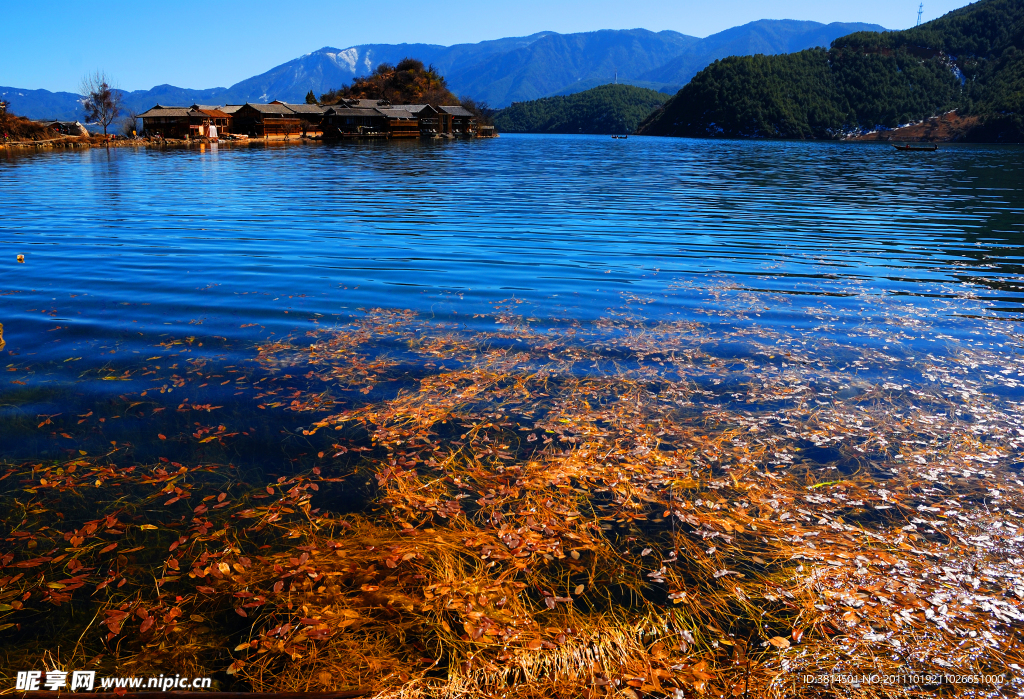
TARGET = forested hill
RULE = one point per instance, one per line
(970, 60)
(608, 109)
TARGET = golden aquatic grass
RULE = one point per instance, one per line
(613, 511)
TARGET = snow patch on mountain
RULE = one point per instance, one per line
(345, 59)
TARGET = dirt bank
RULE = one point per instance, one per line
(946, 128)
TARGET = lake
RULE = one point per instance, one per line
(835, 313)
(127, 249)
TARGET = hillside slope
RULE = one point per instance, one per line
(608, 109)
(968, 60)
(762, 37)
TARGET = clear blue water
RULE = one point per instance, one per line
(130, 251)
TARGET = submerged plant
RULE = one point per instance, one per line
(609, 511)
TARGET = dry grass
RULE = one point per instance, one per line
(20, 128)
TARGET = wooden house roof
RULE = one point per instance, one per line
(396, 113)
(214, 112)
(159, 111)
(274, 108)
(339, 110)
(305, 108)
(457, 111)
(413, 108)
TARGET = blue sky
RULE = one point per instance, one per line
(142, 44)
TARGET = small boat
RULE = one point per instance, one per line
(613, 136)
(915, 146)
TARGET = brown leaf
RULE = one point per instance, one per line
(33, 562)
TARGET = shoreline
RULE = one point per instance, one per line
(945, 128)
(99, 142)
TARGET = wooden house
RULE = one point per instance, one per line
(273, 121)
(342, 120)
(432, 121)
(401, 123)
(169, 122)
(312, 116)
(203, 116)
(462, 122)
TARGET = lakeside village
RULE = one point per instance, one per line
(351, 118)
(276, 121)
(403, 101)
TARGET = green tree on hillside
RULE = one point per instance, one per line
(608, 109)
(409, 82)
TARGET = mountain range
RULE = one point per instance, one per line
(498, 72)
(969, 60)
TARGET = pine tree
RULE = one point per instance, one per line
(310, 98)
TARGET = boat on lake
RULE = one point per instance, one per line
(915, 146)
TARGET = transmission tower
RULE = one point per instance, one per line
(920, 9)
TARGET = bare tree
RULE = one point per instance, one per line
(130, 124)
(481, 110)
(102, 102)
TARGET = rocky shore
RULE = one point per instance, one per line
(945, 128)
